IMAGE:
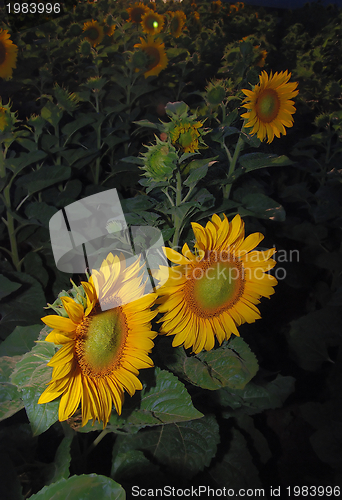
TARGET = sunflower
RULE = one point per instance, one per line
(269, 105)
(212, 292)
(177, 23)
(94, 32)
(102, 349)
(152, 22)
(156, 53)
(136, 12)
(8, 55)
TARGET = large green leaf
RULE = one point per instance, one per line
(59, 469)
(31, 376)
(133, 463)
(24, 307)
(46, 176)
(261, 206)
(163, 399)
(10, 397)
(311, 335)
(25, 159)
(254, 161)
(20, 341)
(236, 470)
(185, 448)
(84, 487)
(7, 286)
(231, 365)
(256, 397)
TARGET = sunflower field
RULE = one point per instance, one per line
(165, 168)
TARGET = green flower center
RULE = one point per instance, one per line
(267, 105)
(2, 53)
(215, 286)
(102, 337)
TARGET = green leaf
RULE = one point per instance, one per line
(231, 365)
(133, 463)
(26, 305)
(254, 161)
(31, 376)
(196, 174)
(310, 336)
(59, 469)
(163, 399)
(7, 286)
(46, 176)
(256, 397)
(148, 124)
(33, 265)
(261, 206)
(40, 211)
(20, 341)
(184, 448)
(236, 470)
(25, 159)
(51, 113)
(83, 487)
(10, 397)
(81, 121)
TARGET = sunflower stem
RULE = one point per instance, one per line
(96, 441)
(177, 220)
(232, 164)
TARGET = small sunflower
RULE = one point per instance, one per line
(136, 12)
(262, 59)
(8, 55)
(102, 349)
(152, 22)
(156, 54)
(211, 292)
(177, 23)
(216, 6)
(270, 106)
(186, 136)
(94, 32)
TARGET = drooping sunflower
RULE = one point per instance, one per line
(8, 55)
(105, 341)
(210, 293)
(270, 106)
(177, 23)
(94, 32)
(152, 22)
(156, 54)
(136, 12)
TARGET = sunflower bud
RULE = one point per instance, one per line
(215, 94)
(85, 48)
(75, 30)
(160, 161)
(113, 226)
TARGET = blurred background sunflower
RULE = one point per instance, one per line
(156, 53)
(8, 55)
(93, 32)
